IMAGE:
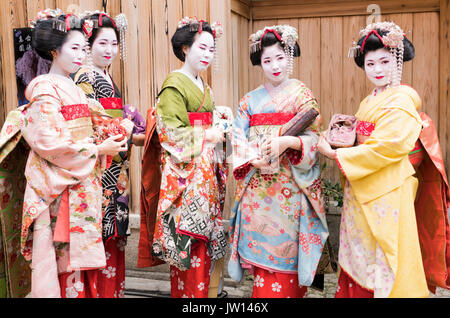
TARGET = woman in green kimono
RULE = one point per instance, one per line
(189, 232)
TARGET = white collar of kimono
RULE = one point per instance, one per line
(198, 81)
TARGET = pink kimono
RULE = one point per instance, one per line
(63, 159)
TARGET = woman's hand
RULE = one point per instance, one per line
(324, 147)
(112, 146)
(128, 125)
(276, 146)
(214, 135)
(260, 163)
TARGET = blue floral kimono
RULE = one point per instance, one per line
(278, 220)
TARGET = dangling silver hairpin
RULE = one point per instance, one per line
(122, 25)
(354, 51)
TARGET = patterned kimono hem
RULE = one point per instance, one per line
(265, 267)
(356, 281)
(194, 235)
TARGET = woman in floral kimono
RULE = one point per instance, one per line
(379, 252)
(96, 83)
(61, 224)
(278, 229)
(189, 233)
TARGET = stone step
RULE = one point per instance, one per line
(157, 284)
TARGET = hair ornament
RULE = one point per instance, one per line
(47, 14)
(120, 22)
(286, 34)
(70, 22)
(196, 25)
(392, 40)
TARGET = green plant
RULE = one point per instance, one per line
(332, 191)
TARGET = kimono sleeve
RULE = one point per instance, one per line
(48, 135)
(182, 141)
(243, 150)
(307, 157)
(396, 132)
(135, 116)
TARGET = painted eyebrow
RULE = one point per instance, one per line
(206, 46)
(278, 55)
(381, 58)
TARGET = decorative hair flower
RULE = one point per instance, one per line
(392, 40)
(196, 25)
(286, 34)
(187, 21)
(120, 22)
(217, 29)
(46, 14)
(394, 35)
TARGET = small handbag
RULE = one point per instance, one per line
(342, 131)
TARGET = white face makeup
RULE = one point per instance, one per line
(105, 48)
(379, 66)
(71, 55)
(200, 55)
(274, 64)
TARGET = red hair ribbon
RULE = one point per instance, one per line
(273, 31)
(365, 39)
(68, 22)
(100, 18)
(200, 29)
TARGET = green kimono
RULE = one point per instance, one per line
(193, 179)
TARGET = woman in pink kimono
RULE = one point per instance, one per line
(61, 224)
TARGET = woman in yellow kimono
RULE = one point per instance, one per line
(379, 252)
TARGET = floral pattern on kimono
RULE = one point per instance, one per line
(189, 207)
(379, 245)
(15, 273)
(278, 220)
(57, 127)
(115, 180)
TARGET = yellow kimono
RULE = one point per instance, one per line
(379, 244)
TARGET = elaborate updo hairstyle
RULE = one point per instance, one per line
(269, 39)
(49, 34)
(373, 43)
(104, 22)
(185, 36)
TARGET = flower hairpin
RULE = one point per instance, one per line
(196, 25)
(392, 40)
(285, 33)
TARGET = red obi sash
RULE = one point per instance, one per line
(365, 128)
(200, 119)
(270, 119)
(72, 112)
(111, 103)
